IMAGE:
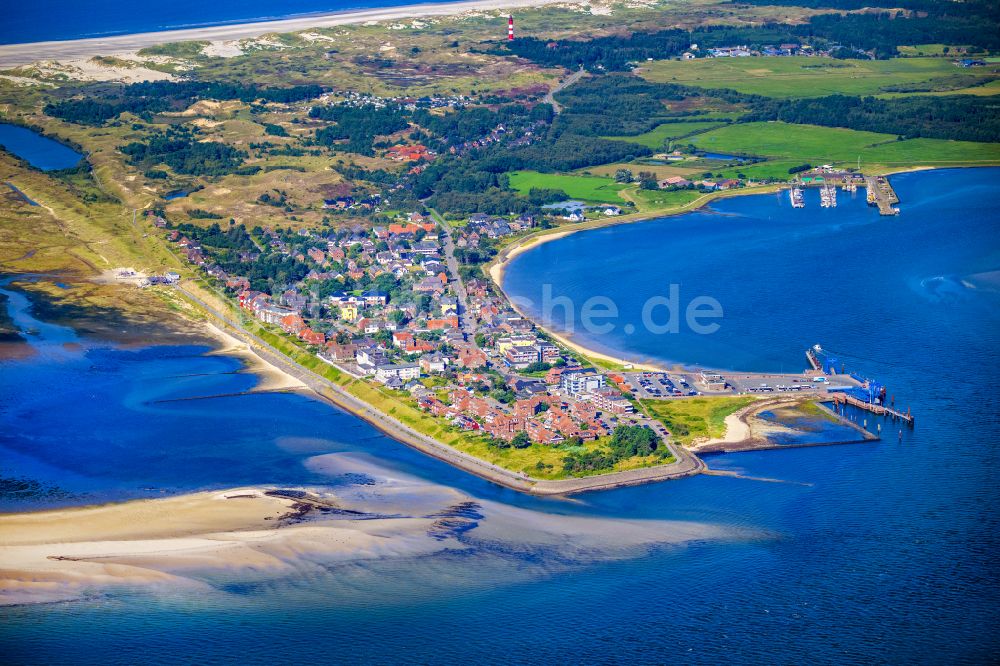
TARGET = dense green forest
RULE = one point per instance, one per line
(358, 125)
(90, 111)
(620, 104)
(185, 155)
(473, 123)
(613, 53)
(959, 117)
(234, 239)
(624, 104)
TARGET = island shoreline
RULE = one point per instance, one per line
(14, 55)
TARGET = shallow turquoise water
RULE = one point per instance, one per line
(881, 553)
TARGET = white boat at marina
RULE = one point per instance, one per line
(795, 195)
(828, 197)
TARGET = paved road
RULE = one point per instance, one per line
(468, 322)
(567, 82)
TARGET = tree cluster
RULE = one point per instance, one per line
(976, 22)
(185, 155)
(957, 117)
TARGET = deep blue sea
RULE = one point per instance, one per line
(51, 20)
(878, 553)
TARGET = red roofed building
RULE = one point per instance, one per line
(541, 433)
(409, 153)
(407, 228)
(471, 357)
(312, 337)
(317, 255)
(292, 323)
(504, 426)
(442, 324)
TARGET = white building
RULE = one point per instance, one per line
(579, 383)
(402, 371)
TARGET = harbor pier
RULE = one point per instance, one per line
(840, 399)
(881, 194)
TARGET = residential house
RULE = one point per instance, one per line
(341, 352)
(433, 363)
(673, 181)
(312, 337)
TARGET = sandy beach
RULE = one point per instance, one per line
(13, 55)
(272, 378)
(496, 272)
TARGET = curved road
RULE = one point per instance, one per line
(566, 83)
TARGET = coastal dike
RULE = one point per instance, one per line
(684, 465)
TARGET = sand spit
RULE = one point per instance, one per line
(265, 533)
(63, 554)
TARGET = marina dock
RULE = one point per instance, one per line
(881, 194)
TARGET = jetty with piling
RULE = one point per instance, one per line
(841, 399)
(881, 195)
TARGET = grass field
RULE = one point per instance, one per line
(769, 170)
(804, 76)
(587, 188)
(690, 419)
(661, 170)
(816, 145)
(657, 137)
(929, 50)
(651, 199)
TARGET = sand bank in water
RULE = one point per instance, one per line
(371, 514)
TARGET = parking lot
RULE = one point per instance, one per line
(660, 385)
(664, 385)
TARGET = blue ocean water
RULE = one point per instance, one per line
(873, 553)
(53, 20)
(37, 150)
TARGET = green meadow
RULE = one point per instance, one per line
(586, 188)
(657, 137)
(807, 76)
(816, 145)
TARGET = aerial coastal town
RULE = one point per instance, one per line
(499, 331)
(350, 196)
(388, 304)
(415, 326)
